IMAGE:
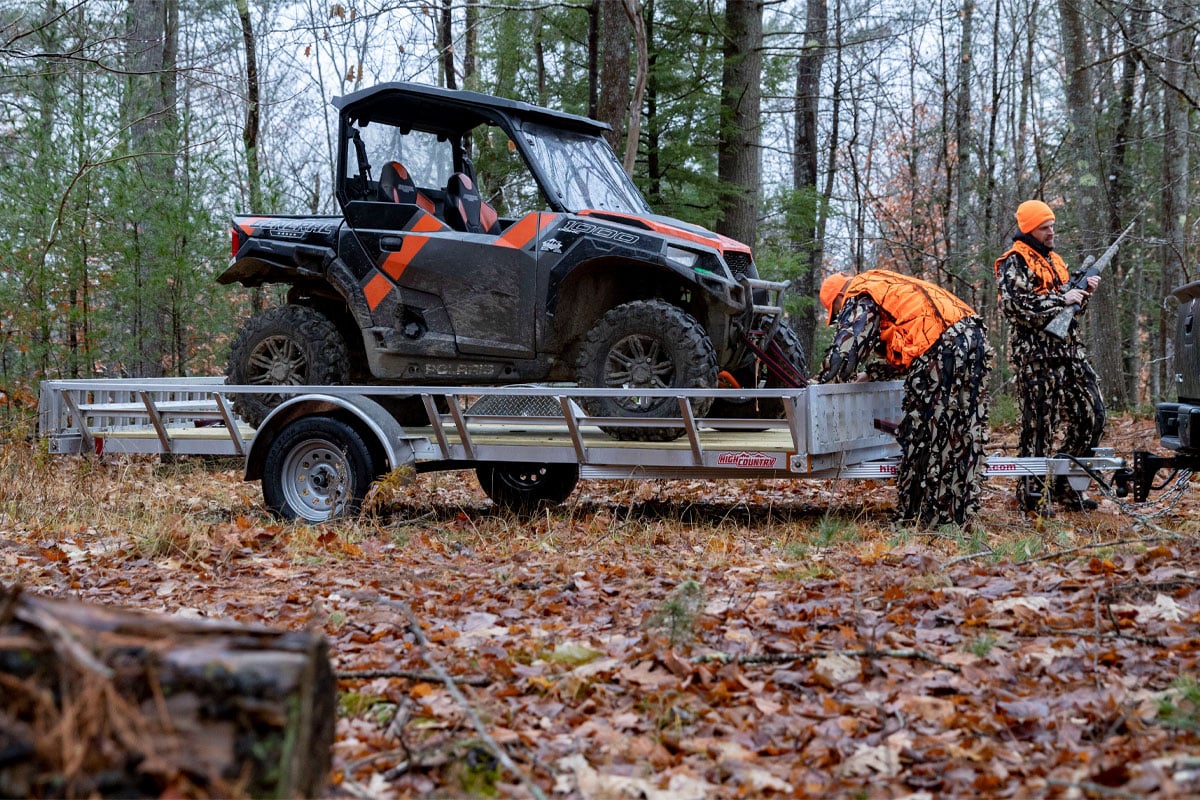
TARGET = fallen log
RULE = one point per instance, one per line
(105, 702)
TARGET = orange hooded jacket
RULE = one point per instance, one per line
(917, 312)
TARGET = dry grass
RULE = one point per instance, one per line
(186, 510)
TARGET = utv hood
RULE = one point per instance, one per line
(669, 226)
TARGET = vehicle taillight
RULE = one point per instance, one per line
(237, 241)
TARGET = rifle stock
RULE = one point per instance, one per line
(1061, 324)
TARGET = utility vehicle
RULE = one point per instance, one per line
(488, 241)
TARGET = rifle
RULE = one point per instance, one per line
(1061, 324)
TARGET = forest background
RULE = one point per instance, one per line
(837, 135)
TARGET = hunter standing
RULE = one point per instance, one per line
(939, 344)
(1057, 387)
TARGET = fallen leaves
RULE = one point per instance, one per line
(687, 640)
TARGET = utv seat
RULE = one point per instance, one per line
(396, 186)
(466, 210)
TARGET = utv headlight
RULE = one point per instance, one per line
(684, 258)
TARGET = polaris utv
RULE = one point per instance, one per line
(547, 266)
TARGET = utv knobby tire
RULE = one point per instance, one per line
(285, 346)
(647, 344)
(525, 488)
(734, 407)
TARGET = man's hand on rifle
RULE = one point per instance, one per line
(1075, 297)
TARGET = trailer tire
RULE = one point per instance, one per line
(288, 345)
(646, 344)
(762, 408)
(317, 468)
(524, 488)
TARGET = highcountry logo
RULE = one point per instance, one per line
(751, 460)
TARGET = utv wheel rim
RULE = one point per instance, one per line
(638, 361)
(315, 480)
(277, 360)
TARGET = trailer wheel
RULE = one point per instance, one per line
(289, 346)
(762, 408)
(317, 468)
(646, 344)
(524, 488)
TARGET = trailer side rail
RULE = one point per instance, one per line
(828, 431)
(823, 427)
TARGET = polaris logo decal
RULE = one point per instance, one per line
(552, 245)
(297, 229)
(469, 370)
(599, 231)
(748, 460)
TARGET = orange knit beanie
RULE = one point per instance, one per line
(1033, 213)
(830, 289)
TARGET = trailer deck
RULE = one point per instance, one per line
(827, 431)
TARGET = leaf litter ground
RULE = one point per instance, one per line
(677, 639)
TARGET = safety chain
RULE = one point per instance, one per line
(1164, 503)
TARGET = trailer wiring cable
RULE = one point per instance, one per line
(1161, 505)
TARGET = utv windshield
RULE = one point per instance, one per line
(582, 172)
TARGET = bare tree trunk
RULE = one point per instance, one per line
(1091, 207)
(1120, 204)
(1173, 253)
(653, 124)
(741, 95)
(151, 38)
(802, 227)
(615, 35)
(250, 130)
(446, 38)
(470, 40)
(958, 254)
(831, 149)
(633, 131)
(988, 308)
(39, 285)
(1023, 105)
(539, 57)
(594, 59)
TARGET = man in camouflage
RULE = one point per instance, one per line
(939, 344)
(1057, 388)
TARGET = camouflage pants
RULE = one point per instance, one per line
(944, 430)
(1058, 395)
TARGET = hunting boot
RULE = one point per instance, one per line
(1031, 495)
(1071, 499)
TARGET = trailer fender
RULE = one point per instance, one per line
(371, 419)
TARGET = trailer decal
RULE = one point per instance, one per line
(748, 460)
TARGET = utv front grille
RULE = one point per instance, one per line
(740, 264)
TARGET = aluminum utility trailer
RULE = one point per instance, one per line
(322, 446)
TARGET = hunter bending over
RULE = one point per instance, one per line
(939, 344)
